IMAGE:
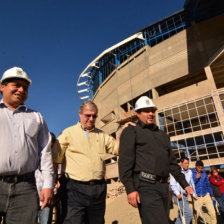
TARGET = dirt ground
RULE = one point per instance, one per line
(118, 211)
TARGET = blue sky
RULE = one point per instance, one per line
(54, 40)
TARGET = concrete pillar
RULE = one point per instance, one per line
(210, 78)
(155, 94)
(215, 96)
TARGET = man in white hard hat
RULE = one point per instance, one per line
(145, 161)
(24, 146)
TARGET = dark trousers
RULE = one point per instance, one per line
(221, 204)
(18, 202)
(154, 206)
(84, 204)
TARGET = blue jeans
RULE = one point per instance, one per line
(187, 211)
(45, 215)
(221, 203)
(19, 202)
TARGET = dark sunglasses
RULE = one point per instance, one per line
(90, 115)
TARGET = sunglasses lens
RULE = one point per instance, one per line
(90, 115)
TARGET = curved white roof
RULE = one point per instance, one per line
(83, 80)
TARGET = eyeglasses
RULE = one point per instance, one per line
(147, 110)
(91, 115)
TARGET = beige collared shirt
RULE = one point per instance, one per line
(83, 154)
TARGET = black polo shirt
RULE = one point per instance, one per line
(146, 148)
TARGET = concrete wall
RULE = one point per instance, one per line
(185, 53)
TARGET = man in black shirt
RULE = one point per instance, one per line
(145, 161)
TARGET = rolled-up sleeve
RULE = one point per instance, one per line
(46, 164)
(111, 145)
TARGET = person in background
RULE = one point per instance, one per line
(24, 146)
(204, 192)
(180, 195)
(45, 214)
(57, 194)
(217, 183)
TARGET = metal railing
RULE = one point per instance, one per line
(100, 69)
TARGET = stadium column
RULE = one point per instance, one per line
(215, 95)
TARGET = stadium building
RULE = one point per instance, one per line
(179, 63)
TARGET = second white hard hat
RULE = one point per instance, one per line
(16, 73)
(144, 102)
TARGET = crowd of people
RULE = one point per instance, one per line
(38, 171)
(204, 194)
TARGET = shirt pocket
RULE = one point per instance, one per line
(31, 127)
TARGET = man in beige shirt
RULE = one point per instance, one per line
(82, 149)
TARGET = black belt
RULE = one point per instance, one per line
(13, 179)
(148, 177)
(91, 182)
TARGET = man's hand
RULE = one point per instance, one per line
(46, 196)
(127, 124)
(198, 175)
(134, 199)
(195, 198)
(179, 196)
(189, 190)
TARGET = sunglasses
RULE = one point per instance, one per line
(90, 115)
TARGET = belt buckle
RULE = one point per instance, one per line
(13, 180)
(91, 183)
(16, 179)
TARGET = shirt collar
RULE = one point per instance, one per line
(21, 107)
(82, 127)
(2, 103)
(194, 170)
(149, 126)
(184, 170)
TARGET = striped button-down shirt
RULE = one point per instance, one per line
(24, 143)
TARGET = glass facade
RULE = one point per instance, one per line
(194, 129)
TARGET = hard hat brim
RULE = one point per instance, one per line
(16, 77)
(136, 109)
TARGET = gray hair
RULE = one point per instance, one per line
(88, 104)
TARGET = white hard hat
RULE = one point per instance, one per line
(16, 73)
(144, 102)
